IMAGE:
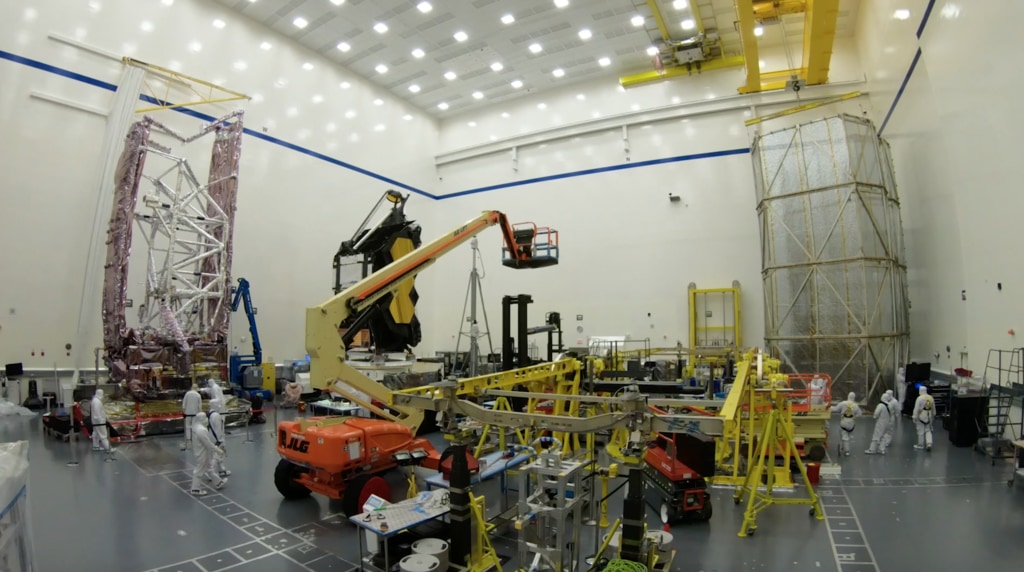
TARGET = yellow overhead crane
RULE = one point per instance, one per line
(820, 20)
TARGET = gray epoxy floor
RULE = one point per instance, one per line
(909, 510)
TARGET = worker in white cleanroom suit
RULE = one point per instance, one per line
(883, 419)
(203, 447)
(849, 411)
(894, 414)
(217, 402)
(98, 416)
(924, 414)
(817, 391)
(901, 386)
(217, 431)
(191, 404)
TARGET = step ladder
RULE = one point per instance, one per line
(1003, 371)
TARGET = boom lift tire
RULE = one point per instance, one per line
(284, 479)
(360, 490)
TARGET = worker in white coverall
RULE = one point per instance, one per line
(217, 431)
(203, 447)
(884, 417)
(848, 412)
(98, 416)
(217, 402)
(191, 404)
(924, 414)
(901, 386)
(894, 414)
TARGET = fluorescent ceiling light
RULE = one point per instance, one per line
(280, 82)
(637, 21)
(167, 2)
(345, 85)
(604, 62)
(652, 51)
(508, 19)
(442, 106)
(300, 22)
(318, 99)
(460, 36)
(472, 124)
(580, 96)
(516, 84)
(266, 46)
(146, 26)
(219, 24)
(585, 34)
(561, 3)
(307, 66)
(424, 7)
(414, 88)
(407, 117)
(195, 47)
(760, 64)
(901, 14)
(418, 53)
(478, 95)
(240, 65)
(505, 115)
(536, 48)
(343, 46)
(381, 68)
(450, 75)
(542, 106)
(688, 24)
(335, 2)
(350, 114)
(378, 101)
(497, 66)
(380, 27)
(558, 72)
(379, 127)
(680, 4)
(759, 31)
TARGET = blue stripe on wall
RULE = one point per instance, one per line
(899, 94)
(585, 172)
(924, 19)
(337, 162)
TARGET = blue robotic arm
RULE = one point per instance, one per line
(242, 295)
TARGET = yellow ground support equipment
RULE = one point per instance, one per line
(776, 434)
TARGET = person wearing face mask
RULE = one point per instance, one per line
(204, 449)
(849, 411)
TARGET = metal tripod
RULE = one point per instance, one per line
(474, 334)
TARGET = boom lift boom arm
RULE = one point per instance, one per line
(327, 364)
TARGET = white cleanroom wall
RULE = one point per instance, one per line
(294, 208)
(954, 132)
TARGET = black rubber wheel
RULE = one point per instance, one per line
(735, 500)
(284, 479)
(750, 532)
(816, 452)
(812, 511)
(704, 514)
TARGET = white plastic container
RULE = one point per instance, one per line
(420, 563)
(433, 547)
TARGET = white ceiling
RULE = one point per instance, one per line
(490, 41)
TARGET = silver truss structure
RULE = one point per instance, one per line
(187, 282)
(833, 260)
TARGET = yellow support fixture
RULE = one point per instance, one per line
(804, 107)
(819, 35)
(775, 430)
(658, 19)
(772, 9)
(745, 14)
(212, 94)
(677, 71)
(482, 554)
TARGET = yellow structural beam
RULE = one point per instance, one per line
(771, 9)
(819, 35)
(678, 71)
(804, 107)
(745, 15)
(211, 94)
(659, 19)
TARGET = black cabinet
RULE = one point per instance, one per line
(966, 416)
